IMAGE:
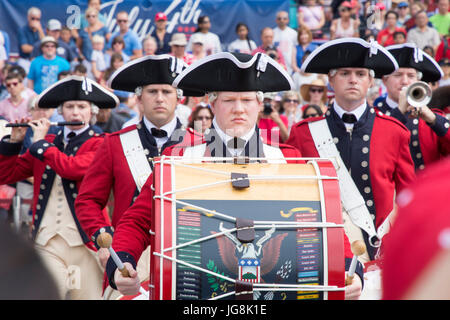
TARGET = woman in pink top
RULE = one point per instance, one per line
(311, 16)
(15, 106)
(345, 26)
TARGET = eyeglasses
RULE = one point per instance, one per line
(282, 18)
(12, 84)
(344, 9)
(49, 46)
(311, 115)
(291, 100)
(314, 90)
(91, 16)
(204, 118)
(35, 18)
(122, 21)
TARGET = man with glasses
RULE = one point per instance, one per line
(133, 46)
(15, 106)
(30, 33)
(63, 50)
(44, 69)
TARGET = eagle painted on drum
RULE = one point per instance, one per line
(244, 259)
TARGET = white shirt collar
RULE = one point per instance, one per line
(225, 138)
(168, 127)
(77, 132)
(391, 103)
(358, 112)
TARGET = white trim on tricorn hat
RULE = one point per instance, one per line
(76, 88)
(253, 73)
(416, 58)
(155, 69)
(323, 59)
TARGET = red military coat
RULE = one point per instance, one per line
(110, 171)
(46, 158)
(377, 153)
(429, 143)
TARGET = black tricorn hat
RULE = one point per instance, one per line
(350, 53)
(226, 71)
(155, 69)
(409, 56)
(77, 88)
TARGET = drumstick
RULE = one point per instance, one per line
(358, 248)
(104, 240)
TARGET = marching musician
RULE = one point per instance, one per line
(58, 163)
(236, 99)
(123, 162)
(373, 147)
(430, 137)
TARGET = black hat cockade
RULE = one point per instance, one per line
(155, 69)
(408, 55)
(77, 88)
(236, 72)
(350, 53)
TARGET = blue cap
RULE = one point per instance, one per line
(402, 4)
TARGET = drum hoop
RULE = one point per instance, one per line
(170, 196)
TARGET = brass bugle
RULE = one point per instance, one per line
(418, 94)
(59, 124)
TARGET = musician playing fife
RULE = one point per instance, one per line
(236, 99)
(58, 164)
(430, 137)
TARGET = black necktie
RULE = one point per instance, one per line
(236, 143)
(71, 135)
(158, 133)
(349, 118)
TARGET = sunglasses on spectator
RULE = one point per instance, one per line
(291, 100)
(35, 18)
(315, 90)
(311, 115)
(12, 84)
(122, 21)
(344, 9)
(204, 118)
(282, 18)
(49, 46)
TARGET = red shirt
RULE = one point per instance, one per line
(270, 127)
(389, 36)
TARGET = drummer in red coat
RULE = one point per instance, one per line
(58, 164)
(234, 135)
(123, 162)
(372, 146)
(430, 134)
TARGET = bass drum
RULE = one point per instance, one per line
(254, 231)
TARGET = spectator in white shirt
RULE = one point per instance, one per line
(243, 43)
(285, 38)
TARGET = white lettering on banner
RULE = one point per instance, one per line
(74, 20)
(181, 14)
(374, 18)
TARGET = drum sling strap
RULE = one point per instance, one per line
(351, 198)
(136, 158)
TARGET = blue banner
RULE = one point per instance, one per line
(182, 15)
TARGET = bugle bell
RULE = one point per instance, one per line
(418, 94)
